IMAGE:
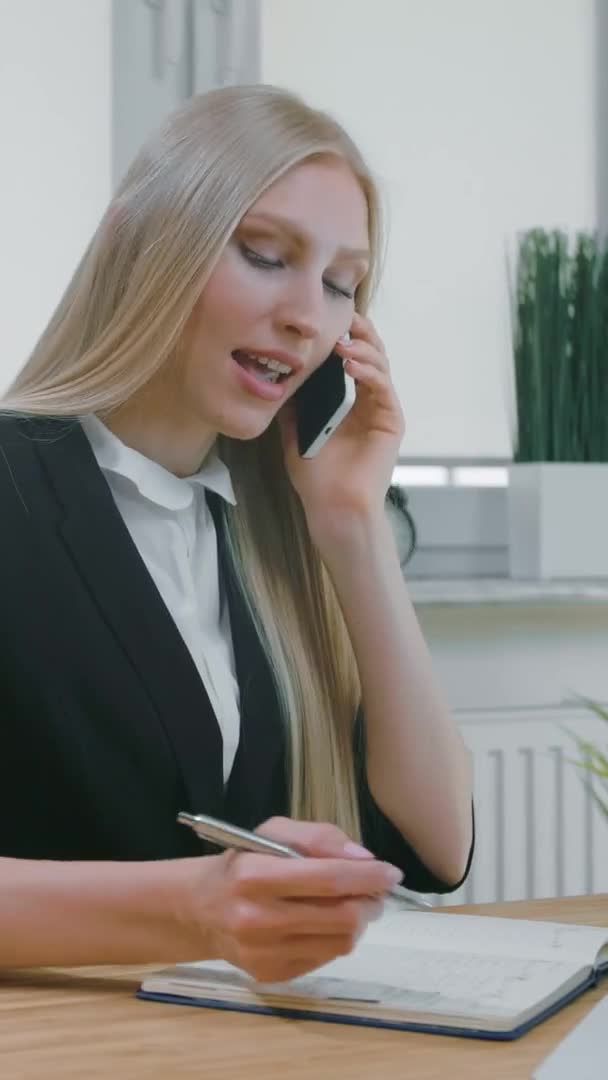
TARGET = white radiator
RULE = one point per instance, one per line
(539, 831)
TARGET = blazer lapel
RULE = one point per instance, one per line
(106, 557)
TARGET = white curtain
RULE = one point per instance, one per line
(238, 41)
(227, 43)
(166, 50)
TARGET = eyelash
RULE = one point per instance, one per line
(262, 263)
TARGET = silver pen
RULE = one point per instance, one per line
(232, 836)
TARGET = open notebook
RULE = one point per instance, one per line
(455, 974)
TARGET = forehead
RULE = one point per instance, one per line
(322, 197)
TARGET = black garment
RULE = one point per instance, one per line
(106, 729)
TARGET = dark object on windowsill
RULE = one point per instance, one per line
(402, 522)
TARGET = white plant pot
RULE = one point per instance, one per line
(558, 521)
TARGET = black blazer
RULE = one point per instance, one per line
(106, 729)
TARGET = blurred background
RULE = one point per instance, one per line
(480, 117)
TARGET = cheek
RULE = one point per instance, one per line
(232, 297)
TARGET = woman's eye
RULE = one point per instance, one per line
(257, 259)
(347, 294)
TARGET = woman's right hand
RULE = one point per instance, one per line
(279, 918)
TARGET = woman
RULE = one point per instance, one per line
(194, 617)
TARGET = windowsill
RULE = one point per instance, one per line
(449, 592)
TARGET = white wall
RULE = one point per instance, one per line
(478, 116)
(55, 76)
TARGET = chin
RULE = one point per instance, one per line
(247, 429)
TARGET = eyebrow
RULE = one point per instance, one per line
(288, 226)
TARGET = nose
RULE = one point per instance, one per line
(301, 309)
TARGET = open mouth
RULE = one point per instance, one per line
(263, 367)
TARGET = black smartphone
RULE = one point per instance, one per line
(321, 403)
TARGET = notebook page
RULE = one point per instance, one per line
(473, 986)
(485, 934)
(437, 984)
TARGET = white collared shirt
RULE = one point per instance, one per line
(173, 529)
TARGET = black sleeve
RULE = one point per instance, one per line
(387, 843)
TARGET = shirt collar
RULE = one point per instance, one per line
(152, 480)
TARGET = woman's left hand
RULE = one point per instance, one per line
(350, 476)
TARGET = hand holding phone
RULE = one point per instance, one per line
(321, 404)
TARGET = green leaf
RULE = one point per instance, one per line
(594, 761)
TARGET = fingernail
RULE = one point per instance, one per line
(345, 338)
(345, 361)
(356, 851)
(394, 875)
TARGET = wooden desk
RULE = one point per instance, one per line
(85, 1023)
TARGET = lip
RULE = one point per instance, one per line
(267, 391)
(296, 363)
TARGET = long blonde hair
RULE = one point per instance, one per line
(121, 319)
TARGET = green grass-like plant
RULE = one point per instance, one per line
(592, 760)
(560, 348)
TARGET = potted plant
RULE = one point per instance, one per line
(558, 483)
(593, 760)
